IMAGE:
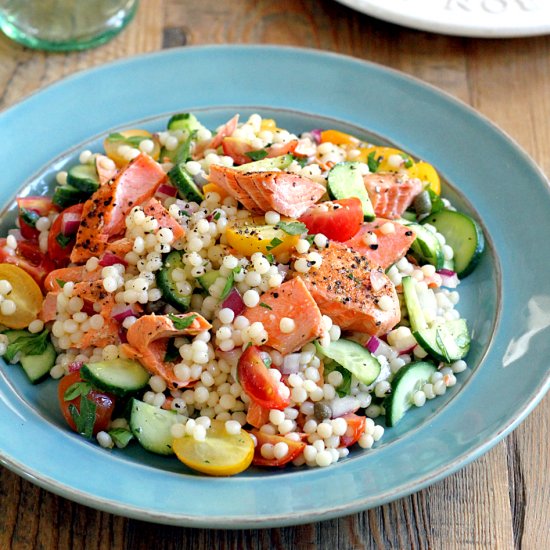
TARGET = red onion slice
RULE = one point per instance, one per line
(316, 134)
(75, 366)
(373, 344)
(167, 190)
(70, 222)
(449, 278)
(121, 311)
(234, 302)
(111, 259)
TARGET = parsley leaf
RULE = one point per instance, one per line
(345, 387)
(78, 389)
(181, 324)
(28, 344)
(302, 161)
(408, 160)
(274, 243)
(257, 155)
(121, 437)
(61, 282)
(217, 216)
(263, 304)
(270, 258)
(85, 418)
(30, 217)
(63, 240)
(437, 203)
(310, 239)
(372, 162)
(292, 228)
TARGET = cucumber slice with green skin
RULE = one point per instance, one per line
(274, 163)
(354, 358)
(187, 122)
(168, 286)
(119, 376)
(183, 181)
(67, 195)
(208, 279)
(151, 426)
(408, 379)
(463, 235)
(426, 248)
(344, 181)
(447, 342)
(83, 177)
(416, 315)
(37, 367)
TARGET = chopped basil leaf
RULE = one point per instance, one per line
(30, 217)
(181, 324)
(85, 418)
(408, 160)
(78, 389)
(263, 304)
(31, 344)
(274, 243)
(61, 282)
(270, 258)
(63, 240)
(217, 216)
(121, 437)
(257, 155)
(292, 228)
(372, 162)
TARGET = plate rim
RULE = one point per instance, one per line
(285, 519)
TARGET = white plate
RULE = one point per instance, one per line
(482, 18)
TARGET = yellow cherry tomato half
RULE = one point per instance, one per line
(254, 235)
(213, 188)
(25, 294)
(387, 159)
(268, 124)
(219, 454)
(113, 142)
(338, 138)
(426, 172)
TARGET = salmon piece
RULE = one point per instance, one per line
(105, 171)
(49, 307)
(106, 210)
(293, 300)
(348, 290)
(154, 208)
(391, 193)
(73, 274)
(389, 246)
(99, 338)
(148, 340)
(120, 247)
(289, 194)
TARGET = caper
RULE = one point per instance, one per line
(422, 204)
(321, 411)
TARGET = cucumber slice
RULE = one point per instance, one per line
(186, 122)
(83, 177)
(37, 367)
(416, 315)
(463, 235)
(67, 195)
(354, 358)
(119, 376)
(344, 181)
(407, 380)
(182, 180)
(207, 280)
(426, 248)
(447, 342)
(151, 427)
(168, 286)
(274, 163)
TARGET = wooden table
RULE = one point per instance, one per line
(502, 500)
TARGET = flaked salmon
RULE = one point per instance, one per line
(154, 208)
(289, 194)
(383, 242)
(354, 294)
(391, 193)
(293, 301)
(106, 210)
(148, 341)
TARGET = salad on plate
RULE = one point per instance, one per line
(239, 297)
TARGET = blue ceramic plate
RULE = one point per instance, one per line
(505, 300)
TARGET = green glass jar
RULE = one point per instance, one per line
(62, 25)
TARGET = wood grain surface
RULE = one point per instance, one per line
(502, 500)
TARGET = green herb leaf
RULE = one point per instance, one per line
(270, 258)
(302, 161)
(217, 216)
(30, 217)
(85, 418)
(181, 324)
(263, 304)
(310, 239)
(274, 243)
(78, 389)
(121, 437)
(63, 240)
(292, 228)
(372, 162)
(408, 160)
(345, 387)
(31, 344)
(437, 202)
(172, 352)
(257, 155)
(61, 282)
(228, 286)
(183, 151)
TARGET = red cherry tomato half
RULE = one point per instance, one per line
(59, 245)
(257, 383)
(295, 449)
(29, 257)
(356, 428)
(30, 209)
(104, 403)
(338, 220)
